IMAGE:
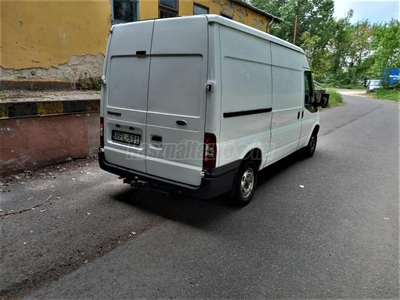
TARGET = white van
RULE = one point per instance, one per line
(198, 105)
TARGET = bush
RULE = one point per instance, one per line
(335, 98)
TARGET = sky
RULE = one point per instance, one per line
(375, 11)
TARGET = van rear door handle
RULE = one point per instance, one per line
(181, 122)
(156, 138)
(156, 142)
(298, 115)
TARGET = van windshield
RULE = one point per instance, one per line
(374, 83)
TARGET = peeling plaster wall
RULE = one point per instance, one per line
(53, 39)
(78, 67)
(67, 40)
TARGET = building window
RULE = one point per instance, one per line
(226, 16)
(168, 8)
(124, 11)
(199, 9)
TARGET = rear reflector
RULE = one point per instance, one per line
(101, 132)
(210, 151)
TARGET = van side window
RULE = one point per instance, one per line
(308, 89)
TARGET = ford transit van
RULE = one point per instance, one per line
(198, 105)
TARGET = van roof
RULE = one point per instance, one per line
(258, 33)
(232, 24)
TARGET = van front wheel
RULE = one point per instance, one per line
(246, 183)
(312, 145)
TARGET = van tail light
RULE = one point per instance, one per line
(210, 151)
(101, 132)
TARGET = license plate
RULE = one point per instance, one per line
(128, 138)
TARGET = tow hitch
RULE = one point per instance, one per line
(142, 185)
(136, 182)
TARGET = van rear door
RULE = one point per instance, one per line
(126, 94)
(156, 72)
(177, 99)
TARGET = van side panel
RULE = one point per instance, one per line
(246, 95)
(287, 101)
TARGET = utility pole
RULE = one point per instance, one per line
(295, 30)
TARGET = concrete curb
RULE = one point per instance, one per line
(29, 84)
(35, 134)
(46, 108)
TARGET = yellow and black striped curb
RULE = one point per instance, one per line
(47, 108)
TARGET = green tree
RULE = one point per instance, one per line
(359, 52)
(387, 47)
(318, 57)
(314, 27)
(314, 16)
(349, 48)
(339, 52)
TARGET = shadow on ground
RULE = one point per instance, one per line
(192, 211)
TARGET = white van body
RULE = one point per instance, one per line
(173, 85)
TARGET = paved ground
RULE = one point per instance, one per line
(338, 237)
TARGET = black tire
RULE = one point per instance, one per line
(312, 145)
(246, 183)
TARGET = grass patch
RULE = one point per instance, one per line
(335, 98)
(383, 94)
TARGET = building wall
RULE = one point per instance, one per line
(149, 10)
(34, 142)
(234, 10)
(66, 40)
(53, 39)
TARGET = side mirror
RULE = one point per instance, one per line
(306, 99)
(324, 100)
(317, 97)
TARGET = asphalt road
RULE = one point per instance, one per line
(338, 237)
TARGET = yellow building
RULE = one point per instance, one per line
(66, 40)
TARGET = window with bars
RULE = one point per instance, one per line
(124, 11)
(168, 8)
(199, 9)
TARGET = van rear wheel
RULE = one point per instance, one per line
(246, 183)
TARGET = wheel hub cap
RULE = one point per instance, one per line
(247, 183)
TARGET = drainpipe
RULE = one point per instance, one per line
(269, 24)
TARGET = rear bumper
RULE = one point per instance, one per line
(218, 181)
